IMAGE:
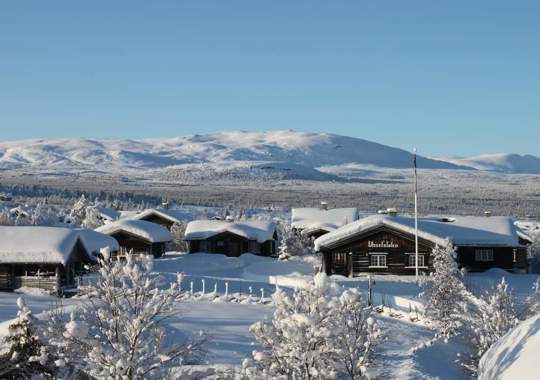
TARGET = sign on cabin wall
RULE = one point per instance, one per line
(382, 244)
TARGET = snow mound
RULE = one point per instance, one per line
(515, 355)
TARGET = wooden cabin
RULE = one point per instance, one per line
(386, 244)
(45, 257)
(164, 217)
(315, 222)
(231, 238)
(138, 236)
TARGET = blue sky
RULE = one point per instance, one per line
(451, 77)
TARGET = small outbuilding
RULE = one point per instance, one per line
(232, 238)
(315, 222)
(386, 244)
(164, 217)
(46, 257)
(138, 236)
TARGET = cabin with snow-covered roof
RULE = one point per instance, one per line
(46, 257)
(138, 236)
(232, 238)
(164, 217)
(315, 222)
(386, 244)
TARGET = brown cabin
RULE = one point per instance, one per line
(231, 238)
(138, 237)
(386, 244)
(49, 258)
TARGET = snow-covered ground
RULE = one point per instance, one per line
(404, 353)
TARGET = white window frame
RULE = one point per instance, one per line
(484, 255)
(380, 257)
(411, 261)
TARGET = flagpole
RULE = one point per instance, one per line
(415, 217)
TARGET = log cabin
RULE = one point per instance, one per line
(315, 222)
(138, 236)
(232, 238)
(386, 244)
(164, 217)
(47, 257)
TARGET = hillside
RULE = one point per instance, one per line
(504, 163)
(292, 154)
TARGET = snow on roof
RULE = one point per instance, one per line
(460, 230)
(94, 241)
(108, 213)
(515, 355)
(260, 231)
(313, 219)
(32, 244)
(152, 232)
(174, 216)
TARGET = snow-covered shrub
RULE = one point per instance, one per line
(444, 292)
(298, 341)
(22, 349)
(314, 334)
(355, 333)
(5, 218)
(493, 318)
(118, 332)
(533, 300)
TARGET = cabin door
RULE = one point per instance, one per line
(235, 248)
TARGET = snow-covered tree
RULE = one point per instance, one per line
(178, 232)
(5, 218)
(43, 216)
(297, 344)
(493, 318)
(444, 292)
(291, 242)
(22, 349)
(78, 211)
(92, 218)
(356, 334)
(119, 330)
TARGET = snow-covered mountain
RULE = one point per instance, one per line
(296, 154)
(502, 162)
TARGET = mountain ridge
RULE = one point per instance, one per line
(294, 153)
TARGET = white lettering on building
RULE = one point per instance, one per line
(382, 244)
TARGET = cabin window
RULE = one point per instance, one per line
(340, 258)
(483, 255)
(514, 255)
(378, 261)
(220, 243)
(412, 261)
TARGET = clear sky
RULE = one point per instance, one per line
(451, 77)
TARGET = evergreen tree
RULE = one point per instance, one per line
(445, 292)
(23, 358)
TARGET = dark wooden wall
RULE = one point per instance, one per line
(231, 245)
(397, 260)
(358, 258)
(139, 245)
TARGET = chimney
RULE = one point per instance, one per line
(324, 206)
